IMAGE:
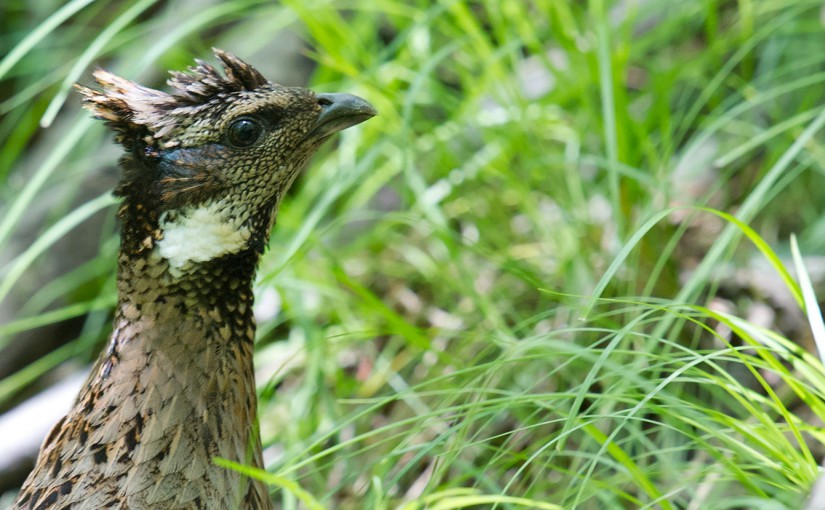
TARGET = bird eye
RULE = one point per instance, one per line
(244, 132)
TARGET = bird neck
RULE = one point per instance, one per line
(179, 363)
(174, 389)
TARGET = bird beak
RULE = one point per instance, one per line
(338, 112)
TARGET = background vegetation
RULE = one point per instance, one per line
(554, 273)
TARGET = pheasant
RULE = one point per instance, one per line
(204, 171)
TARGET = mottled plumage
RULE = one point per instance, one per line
(204, 171)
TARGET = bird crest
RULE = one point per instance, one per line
(135, 111)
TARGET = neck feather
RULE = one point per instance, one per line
(174, 389)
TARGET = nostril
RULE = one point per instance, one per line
(324, 101)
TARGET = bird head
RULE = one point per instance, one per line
(206, 165)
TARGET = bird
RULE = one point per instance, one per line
(204, 170)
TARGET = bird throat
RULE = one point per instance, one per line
(200, 234)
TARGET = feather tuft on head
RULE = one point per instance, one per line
(135, 111)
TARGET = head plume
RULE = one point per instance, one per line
(138, 112)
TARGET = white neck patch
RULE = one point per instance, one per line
(200, 234)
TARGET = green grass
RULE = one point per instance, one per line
(531, 282)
